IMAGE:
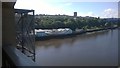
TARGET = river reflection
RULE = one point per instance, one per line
(90, 49)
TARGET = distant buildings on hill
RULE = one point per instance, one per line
(75, 14)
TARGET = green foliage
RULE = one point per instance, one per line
(53, 22)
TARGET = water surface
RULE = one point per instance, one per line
(90, 49)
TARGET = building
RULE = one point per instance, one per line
(75, 14)
(11, 56)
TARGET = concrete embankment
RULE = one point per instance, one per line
(70, 35)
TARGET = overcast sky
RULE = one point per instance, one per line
(52, 7)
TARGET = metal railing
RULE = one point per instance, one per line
(25, 32)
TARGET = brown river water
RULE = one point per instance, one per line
(89, 49)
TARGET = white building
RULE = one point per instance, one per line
(59, 31)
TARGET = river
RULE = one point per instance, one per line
(90, 49)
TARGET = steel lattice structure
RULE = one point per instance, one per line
(25, 32)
